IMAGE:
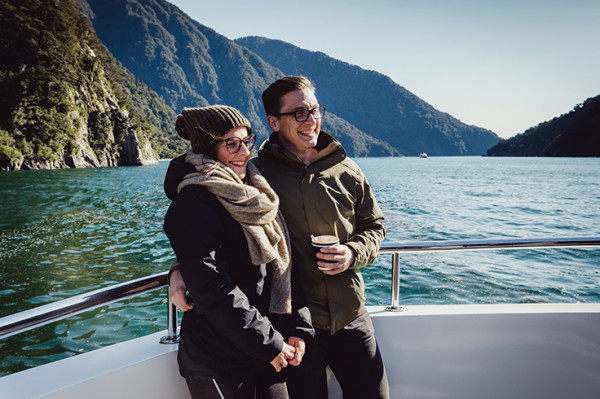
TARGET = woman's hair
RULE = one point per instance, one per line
(271, 97)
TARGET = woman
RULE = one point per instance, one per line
(233, 253)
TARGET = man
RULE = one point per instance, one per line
(322, 191)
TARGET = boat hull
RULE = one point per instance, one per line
(492, 351)
(449, 351)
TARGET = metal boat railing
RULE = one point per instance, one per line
(471, 245)
(37, 317)
(45, 314)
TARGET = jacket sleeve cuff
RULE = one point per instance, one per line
(359, 260)
(174, 266)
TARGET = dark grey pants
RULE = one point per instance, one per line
(267, 384)
(353, 356)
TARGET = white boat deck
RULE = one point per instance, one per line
(463, 351)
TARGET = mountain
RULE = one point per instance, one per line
(186, 63)
(575, 134)
(189, 64)
(62, 98)
(69, 98)
(374, 103)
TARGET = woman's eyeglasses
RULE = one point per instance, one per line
(302, 114)
(234, 144)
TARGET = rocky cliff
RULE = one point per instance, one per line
(61, 104)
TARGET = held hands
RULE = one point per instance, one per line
(300, 346)
(337, 259)
(281, 360)
(291, 353)
(177, 290)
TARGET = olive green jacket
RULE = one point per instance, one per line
(330, 196)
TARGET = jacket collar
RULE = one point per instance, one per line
(330, 151)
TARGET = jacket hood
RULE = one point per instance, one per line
(178, 168)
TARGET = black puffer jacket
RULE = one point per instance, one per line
(230, 331)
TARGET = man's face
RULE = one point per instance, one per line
(297, 137)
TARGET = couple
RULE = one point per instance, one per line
(247, 315)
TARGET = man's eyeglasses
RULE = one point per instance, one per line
(302, 114)
(234, 144)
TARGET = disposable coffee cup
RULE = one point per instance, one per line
(322, 241)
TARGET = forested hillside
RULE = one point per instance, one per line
(63, 102)
(189, 64)
(575, 134)
(69, 98)
(375, 104)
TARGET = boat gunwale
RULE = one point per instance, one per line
(55, 311)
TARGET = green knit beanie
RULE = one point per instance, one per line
(195, 124)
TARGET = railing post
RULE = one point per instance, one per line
(172, 337)
(395, 306)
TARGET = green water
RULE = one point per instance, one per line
(65, 232)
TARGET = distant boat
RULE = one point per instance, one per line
(423, 155)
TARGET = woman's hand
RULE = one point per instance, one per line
(177, 290)
(281, 360)
(300, 346)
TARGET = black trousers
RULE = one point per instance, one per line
(267, 384)
(353, 356)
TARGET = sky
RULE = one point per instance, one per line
(504, 65)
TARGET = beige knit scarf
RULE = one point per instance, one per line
(255, 206)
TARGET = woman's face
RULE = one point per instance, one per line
(238, 161)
